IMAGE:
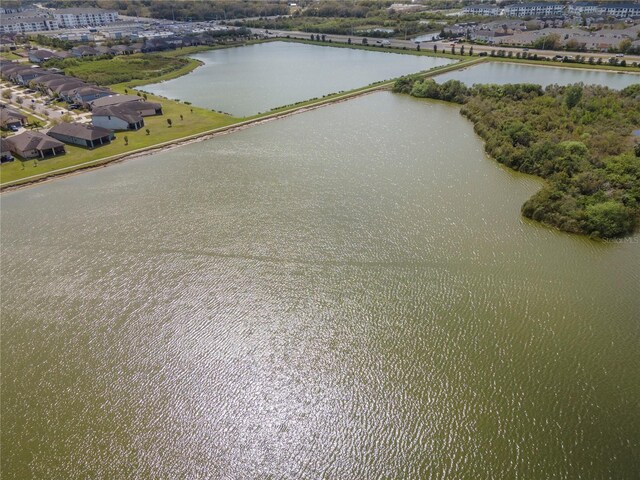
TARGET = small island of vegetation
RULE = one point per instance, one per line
(579, 138)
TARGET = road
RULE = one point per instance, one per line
(440, 45)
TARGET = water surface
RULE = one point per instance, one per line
(345, 293)
(502, 73)
(256, 78)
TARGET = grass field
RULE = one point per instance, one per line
(123, 68)
(195, 120)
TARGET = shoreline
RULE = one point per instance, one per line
(180, 142)
(462, 64)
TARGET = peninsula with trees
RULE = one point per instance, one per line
(580, 139)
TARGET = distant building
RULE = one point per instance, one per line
(27, 22)
(579, 8)
(484, 10)
(534, 10)
(620, 10)
(39, 56)
(84, 17)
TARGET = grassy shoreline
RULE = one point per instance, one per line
(191, 123)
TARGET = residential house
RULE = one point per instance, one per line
(117, 117)
(81, 134)
(86, 93)
(39, 56)
(34, 145)
(10, 69)
(10, 117)
(116, 99)
(5, 153)
(145, 109)
(84, 51)
(40, 82)
(104, 50)
(65, 90)
(23, 77)
(53, 87)
(123, 50)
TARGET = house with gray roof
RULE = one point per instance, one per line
(117, 117)
(115, 99)
(84, 94)
(39, 56)
(81, 134)
(34, 145)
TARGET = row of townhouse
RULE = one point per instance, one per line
(546, 9)
(44, 20)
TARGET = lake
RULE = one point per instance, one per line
(346, 293)
(256, 78)
(502, 73)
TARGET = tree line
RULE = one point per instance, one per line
(577, 137)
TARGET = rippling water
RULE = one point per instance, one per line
(346, 293)
(501, 73)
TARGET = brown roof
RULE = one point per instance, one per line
(118, 111)
(114, 100)
(79, 130)
(140, 106)
(9, 115)
(88, 89)
(32, 141)
(45, 77)
(68, 85)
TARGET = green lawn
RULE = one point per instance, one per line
(195, 120)
(122, 68)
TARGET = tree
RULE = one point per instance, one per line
(126, 140)
(181, 117)
(169, 122)
(471, 50)
(148, 131)
(349, 40)
(573, 96)
(608, 219)
(625, 45)
(435, 48)
(461, 49)
(6, 94)
(365, 41)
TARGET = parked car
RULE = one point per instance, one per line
(13, 128)
(6, 158)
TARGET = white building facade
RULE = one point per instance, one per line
(534, 10)
(84, 17)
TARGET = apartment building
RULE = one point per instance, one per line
(84, 17)
(534, 9)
